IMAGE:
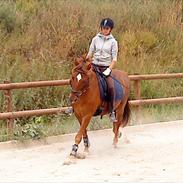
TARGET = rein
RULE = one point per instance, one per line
(100, 73)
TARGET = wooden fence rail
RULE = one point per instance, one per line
(12, 86)
(10, 114)
(138, 102)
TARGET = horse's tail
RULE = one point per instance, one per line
(126, 114)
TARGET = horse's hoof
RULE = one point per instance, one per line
(126, 141)
(80, 156)
(115, 146)
(70, 160)
(86, 150)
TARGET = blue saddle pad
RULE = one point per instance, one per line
(118, 90)
(103, 88)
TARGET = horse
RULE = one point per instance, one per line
(85, 100)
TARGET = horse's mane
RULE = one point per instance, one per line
(80, 67)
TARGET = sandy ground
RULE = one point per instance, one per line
(154, 154)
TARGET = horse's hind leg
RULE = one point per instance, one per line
(116, 126)
(124, 136)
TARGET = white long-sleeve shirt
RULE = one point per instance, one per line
(104, 49)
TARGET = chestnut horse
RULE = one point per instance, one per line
(85, 100)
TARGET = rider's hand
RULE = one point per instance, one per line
(107, 72)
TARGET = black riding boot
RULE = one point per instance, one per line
(112, 116)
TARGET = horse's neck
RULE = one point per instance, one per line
(94, 88)
(93, 80)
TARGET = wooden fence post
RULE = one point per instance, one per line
(137, 89)
(9, 105)
(182, 11)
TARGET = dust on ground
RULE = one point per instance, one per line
(154, 154)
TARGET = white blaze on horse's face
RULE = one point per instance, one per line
(78, 77)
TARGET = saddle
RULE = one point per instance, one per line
(104, 88)
(102, 84)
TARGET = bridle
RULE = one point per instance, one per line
(79, 93)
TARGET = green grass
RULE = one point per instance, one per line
(40, 127)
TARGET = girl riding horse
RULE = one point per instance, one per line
(103, 52)
(85, 96)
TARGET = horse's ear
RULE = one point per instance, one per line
(88, 59)
(77, 61)
(88, 62)
(84, 56)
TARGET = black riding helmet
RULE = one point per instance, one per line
(107, 22)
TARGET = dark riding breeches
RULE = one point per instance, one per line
(111, 93)
(110, 88)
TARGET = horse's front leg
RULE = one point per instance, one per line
(85, 121)
(85, 136)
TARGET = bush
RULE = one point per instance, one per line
(7, 16)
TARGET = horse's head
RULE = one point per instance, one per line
(80, 78)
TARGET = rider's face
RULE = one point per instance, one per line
(105, 30)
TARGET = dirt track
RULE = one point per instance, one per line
(154, 154)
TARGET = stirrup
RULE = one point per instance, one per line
(69, 111)
(112, 117)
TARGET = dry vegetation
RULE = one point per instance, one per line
(39, 40)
